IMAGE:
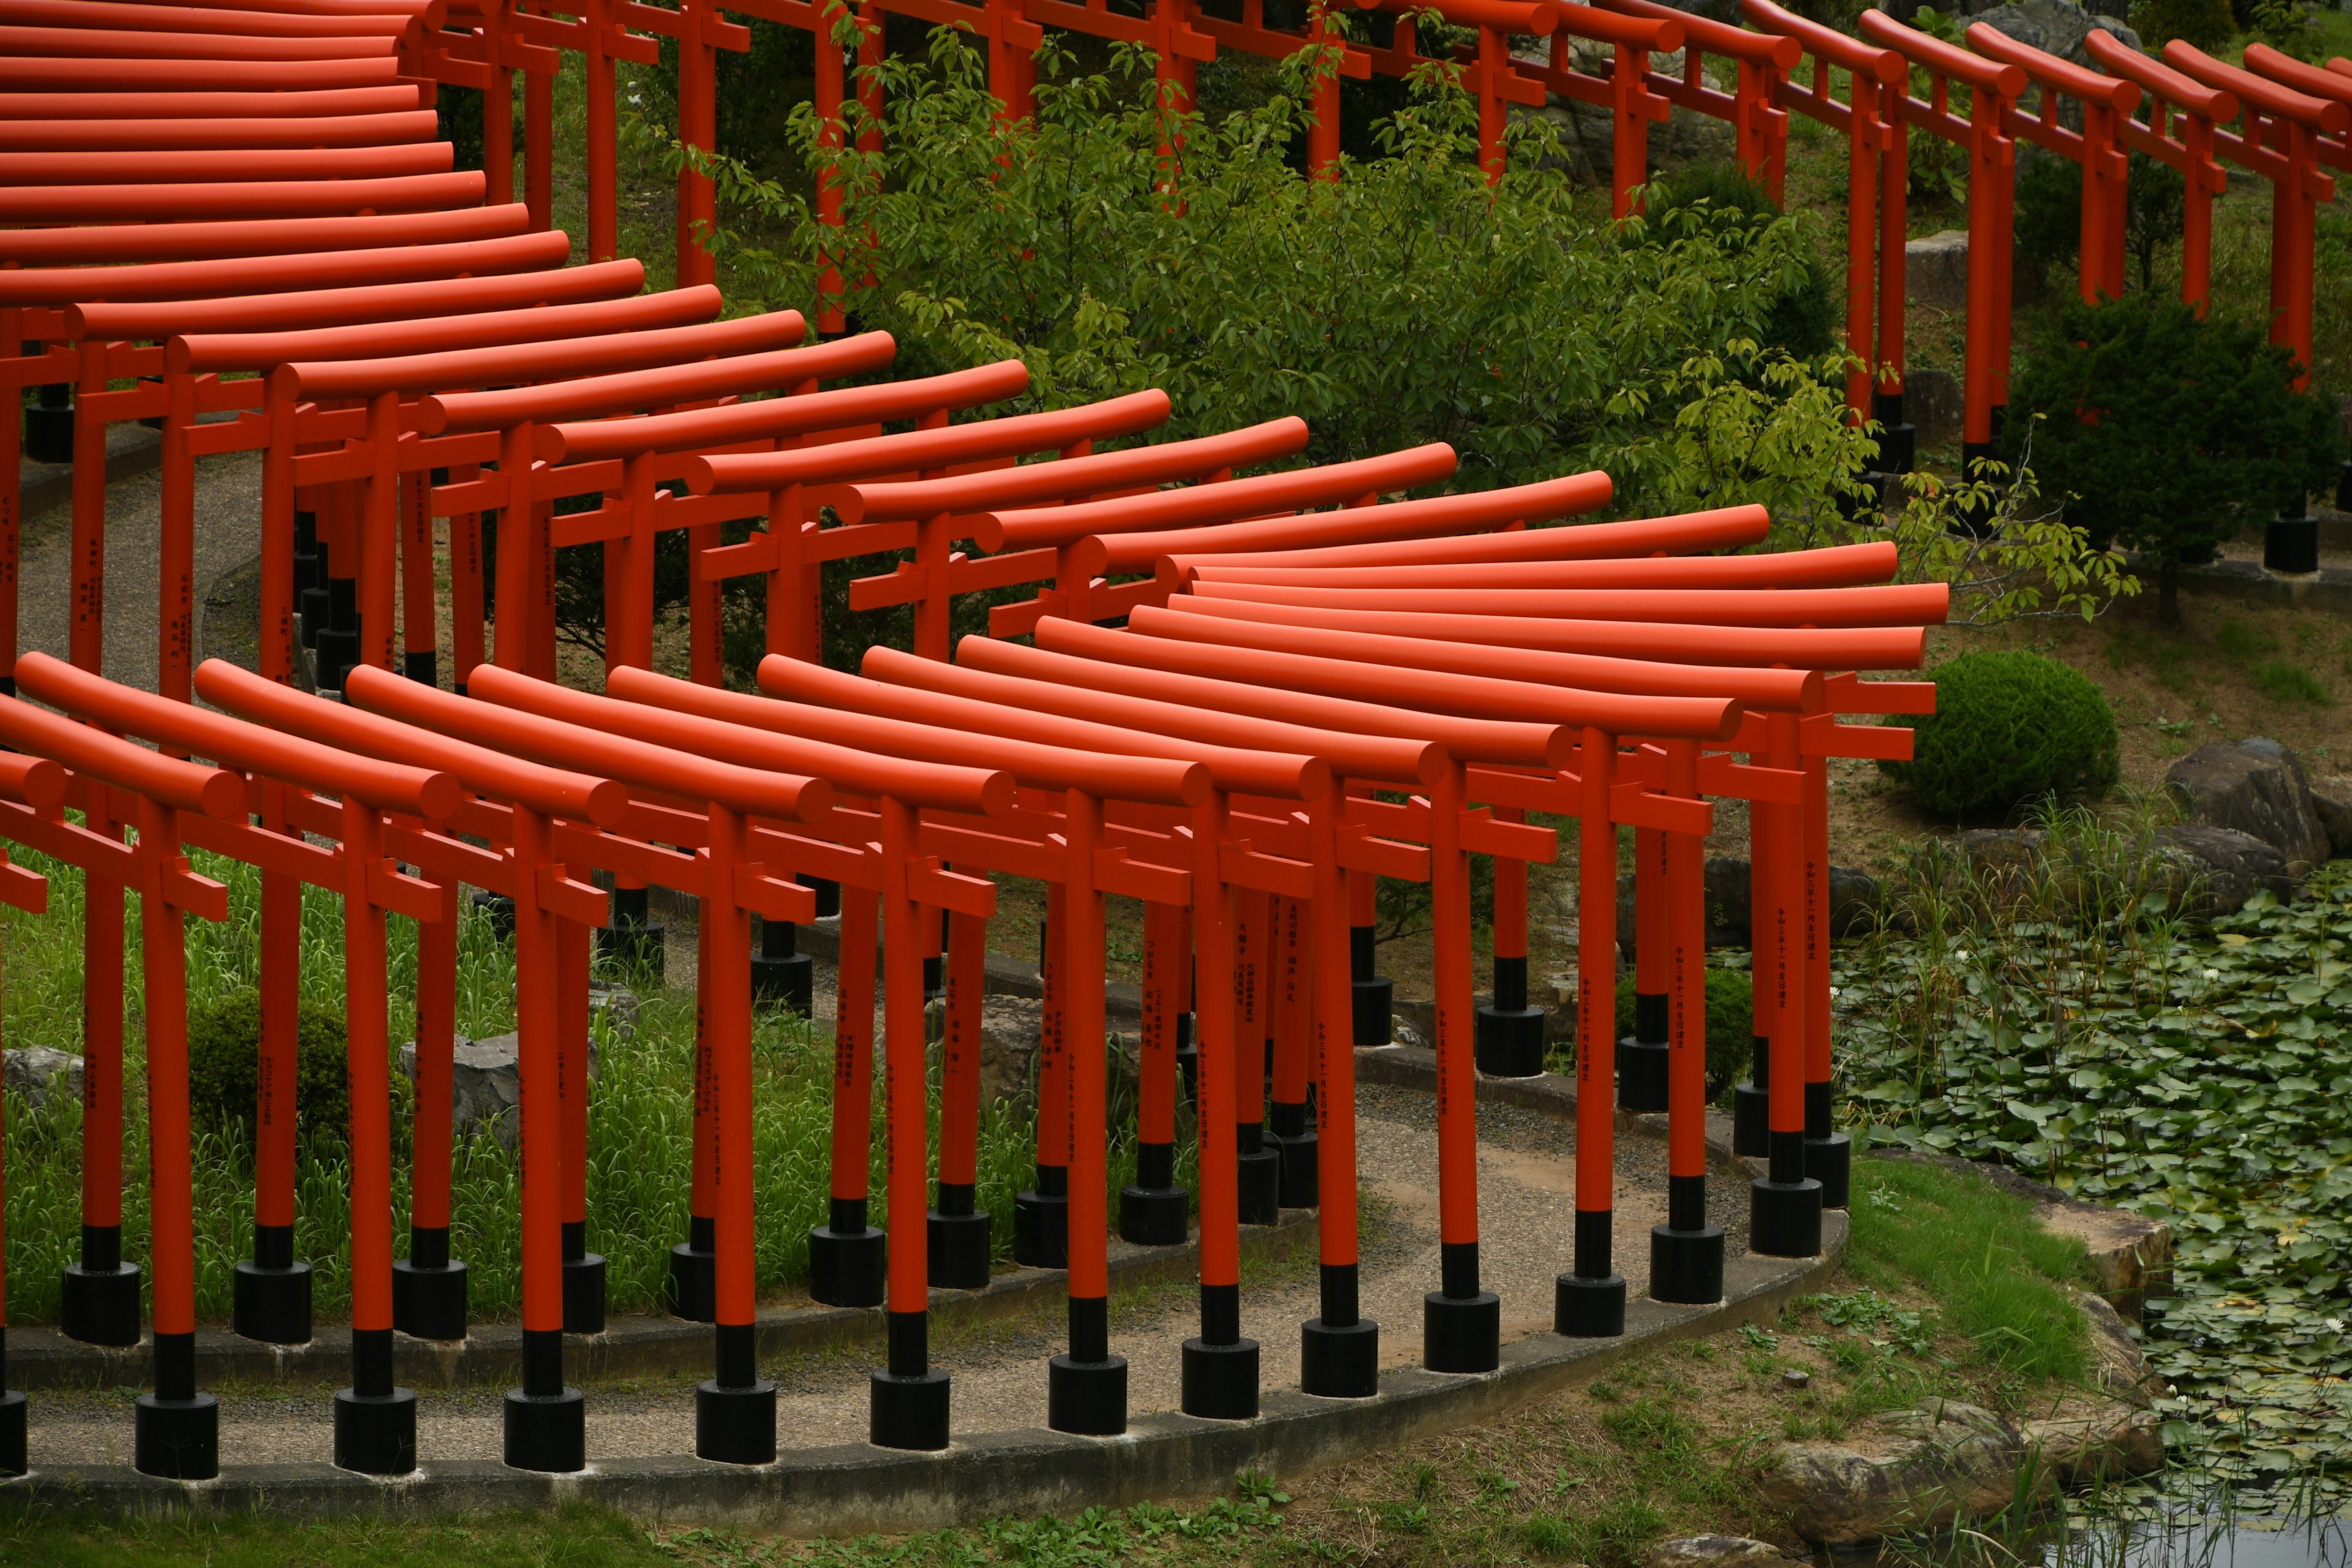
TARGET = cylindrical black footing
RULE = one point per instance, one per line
(13, 1460)
(48, 432)
(1154, 1216)
(635, 947)
(847, 1267)
(1221, 1380)
(101, 1305)
(428, 1303)
(338, 650)
(1583, 1308)
(1339, 1362)
(2291, 545)
(424, 670)
(1784, 1219)
(375, 1434)
(1461, 1333)
(272, 1305)
(1261, 1187)
(583, 1295)
(1751, 1120)
(1509, 1041)
(908, 1412)
(957, 1246)
(791, 980)
(312, 608)
(1687, 1266)
(1088, 1397)
(547, 1432)
(1299, 1185)
(178, 1439)
(1041, 1229)
(1641, 1076)
(692, 1294)
(1374, 1004)
(735, 1425)
(1830, 1162)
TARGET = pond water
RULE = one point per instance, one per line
(2206, 1542)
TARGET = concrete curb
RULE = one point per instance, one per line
(492, 1356)
(854, 1489)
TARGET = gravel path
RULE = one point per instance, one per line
(1526, 1185)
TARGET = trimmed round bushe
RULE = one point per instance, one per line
(1730, 1025)
(2009, 728)
(224, 1053)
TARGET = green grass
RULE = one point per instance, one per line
(1998, 1279)
(2284, 682)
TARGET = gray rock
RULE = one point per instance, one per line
(1932, 403)
(2331, 797)
(1942, 1463)
(2257, 786)
(36, 1073)
(2221, 868)
(1009, 1028)
(1715, 1552)
(2055, 26)
(485, 1076)
(1935, 270)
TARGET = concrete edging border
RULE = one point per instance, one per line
(854, 1489)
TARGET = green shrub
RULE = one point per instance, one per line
(2205, 25)
(2009, 728)
(223, 1066)
(1804, 321)
(1730, 1021)
(2167, 433)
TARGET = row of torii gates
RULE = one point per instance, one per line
(1246, 696)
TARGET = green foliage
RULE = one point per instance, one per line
(223, 1066)
(2050, 213)
(2167, 433)
(2196, 1079)
(1803, 319)
(2284, 682)
(2287, 26)
(2010, 727)
(1996, 1277)
(2201, 24)
(1730, 1025)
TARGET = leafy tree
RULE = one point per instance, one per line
(2168, 433)
(2206, 25)
(2050, 213)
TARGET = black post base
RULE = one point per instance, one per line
(957, 1247)
(547, 1432)
(1751, 1120)
(428, 1303)
(735, 1425)
(1784, 1219)
(1154, 1216)
(272, 1305)
(847, 1267)
(1461, 1333)
(1830, 1162)
(1088, 1397)
(1340, 1362)
(1299, 1185)
(49, 433)
(375, 1434)
(1510, 1042)
(338, 650)
(2291, 545)
(909, 1412)
(1641, 1076)
(310, 605)
(12, 1461)
(791, 980)
(1261, 1187)
(583, 1295)
(693, 1294)
(1041, 1230)
(424, 670)
(1589, 1308)
(100, 1306)
(1374, 1002)
(634, 947)
(1220, 1380)
(178, 1439)
(1687, 1266)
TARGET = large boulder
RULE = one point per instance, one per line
(1944, 1463)
(486, 1076)
(1935, 269)
(2053, 26)
(36, 1073)
(2219, 869)
(2331, 797)
(1716, 1552)
(2254, 786)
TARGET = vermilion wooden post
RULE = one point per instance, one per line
(848, 1263)
(1509, 1034)
(1785, 1206)
(1153, 1210)
(1294, 1055)
(1260, 1167)
(1590, 1301)
(957, 1234)
(1686, 1252)
(1642, 1056)
(1041, 1212)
